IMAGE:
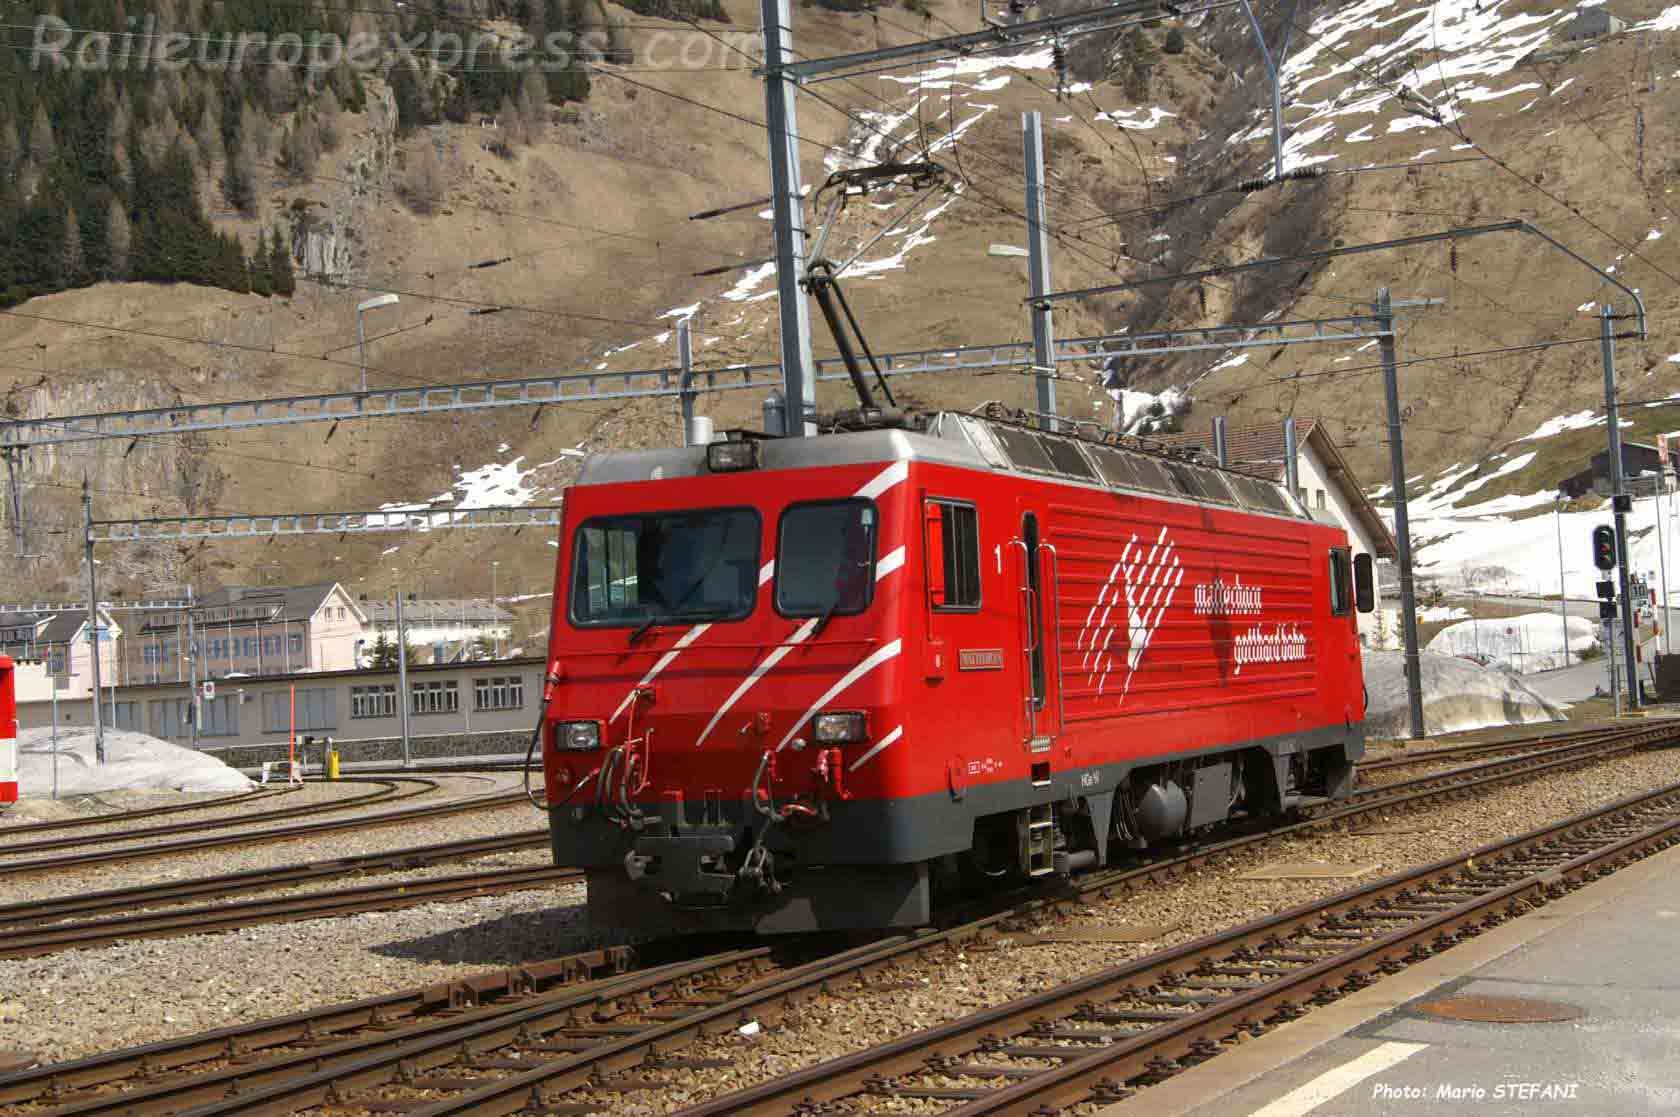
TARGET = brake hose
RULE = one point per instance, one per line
(550, 681)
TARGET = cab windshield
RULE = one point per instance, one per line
(825, 561)
(666, 566)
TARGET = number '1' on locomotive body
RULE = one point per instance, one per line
(802, 683)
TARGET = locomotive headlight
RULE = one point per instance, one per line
(839, 728)
(731, 457)
(579, 736)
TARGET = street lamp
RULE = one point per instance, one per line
(361, 339)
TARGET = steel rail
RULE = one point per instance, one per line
(612, 1050)
(251, 880)
(143, 812)
(278, 834)
(1173, 1008)
(1473, 749)
(81, 934)
(55, 1081)
(387, 792)
(531, 1090)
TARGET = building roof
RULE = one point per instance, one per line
(1259, 450)
(53, 628)
(434, 608)
(269, 604)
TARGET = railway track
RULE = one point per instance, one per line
(485, 802)
(102, 918)
(433, 1052)
(237, 799)
(1101, 1037)
(385, 790)
(81, 934)
(1475, 750)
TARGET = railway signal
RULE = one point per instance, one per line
(1604, 548)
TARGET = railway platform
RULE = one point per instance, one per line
(1602, 957)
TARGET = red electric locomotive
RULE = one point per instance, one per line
(802, 682)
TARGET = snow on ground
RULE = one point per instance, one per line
(1442, 613)
(1457, 695)
(1460, 40)
(1147, 412)
(133, 762)
(1526, 644)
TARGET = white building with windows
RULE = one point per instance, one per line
(444, 699)
(444, 630)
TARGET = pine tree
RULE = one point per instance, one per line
(42, 145)
(328, 116)
(70, 261)
(118, 238)
(383, 655)
(262, 279)
(280, 266)
(11, 148)
(424, 187)
(511, 122)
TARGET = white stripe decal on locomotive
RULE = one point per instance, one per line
(878, 657)
(1284, 644)
(779, 653)
(889, 563)
(663, 662)
(885, 480)
(879, 745)
(880, 483)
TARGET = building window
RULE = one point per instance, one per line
(128, 716)
(221, 716)
(271, 645)
(169, 717)
(373, 701)
(251, 647)
(501, 692)
(1321, 500)
(435, 698)
(296, 639)
(317, 708)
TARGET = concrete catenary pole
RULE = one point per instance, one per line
(787, 208)
(1292, 460)
(1038, 268)
(402, 678)
(1402, 524)
(1221, 448)
(1618, 499)
(92, 621)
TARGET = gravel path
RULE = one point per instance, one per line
(74, 1004)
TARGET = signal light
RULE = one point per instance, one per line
(1604, 547)
(1607, 590)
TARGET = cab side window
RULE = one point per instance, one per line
(1341, 581)
(953, 556)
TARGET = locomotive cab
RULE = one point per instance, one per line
(800, 680)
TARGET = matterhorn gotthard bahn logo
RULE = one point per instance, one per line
(1138, 591)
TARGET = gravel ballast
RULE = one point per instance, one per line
(69, 1005)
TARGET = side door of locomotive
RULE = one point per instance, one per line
(967, 636)
(1036, 565)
